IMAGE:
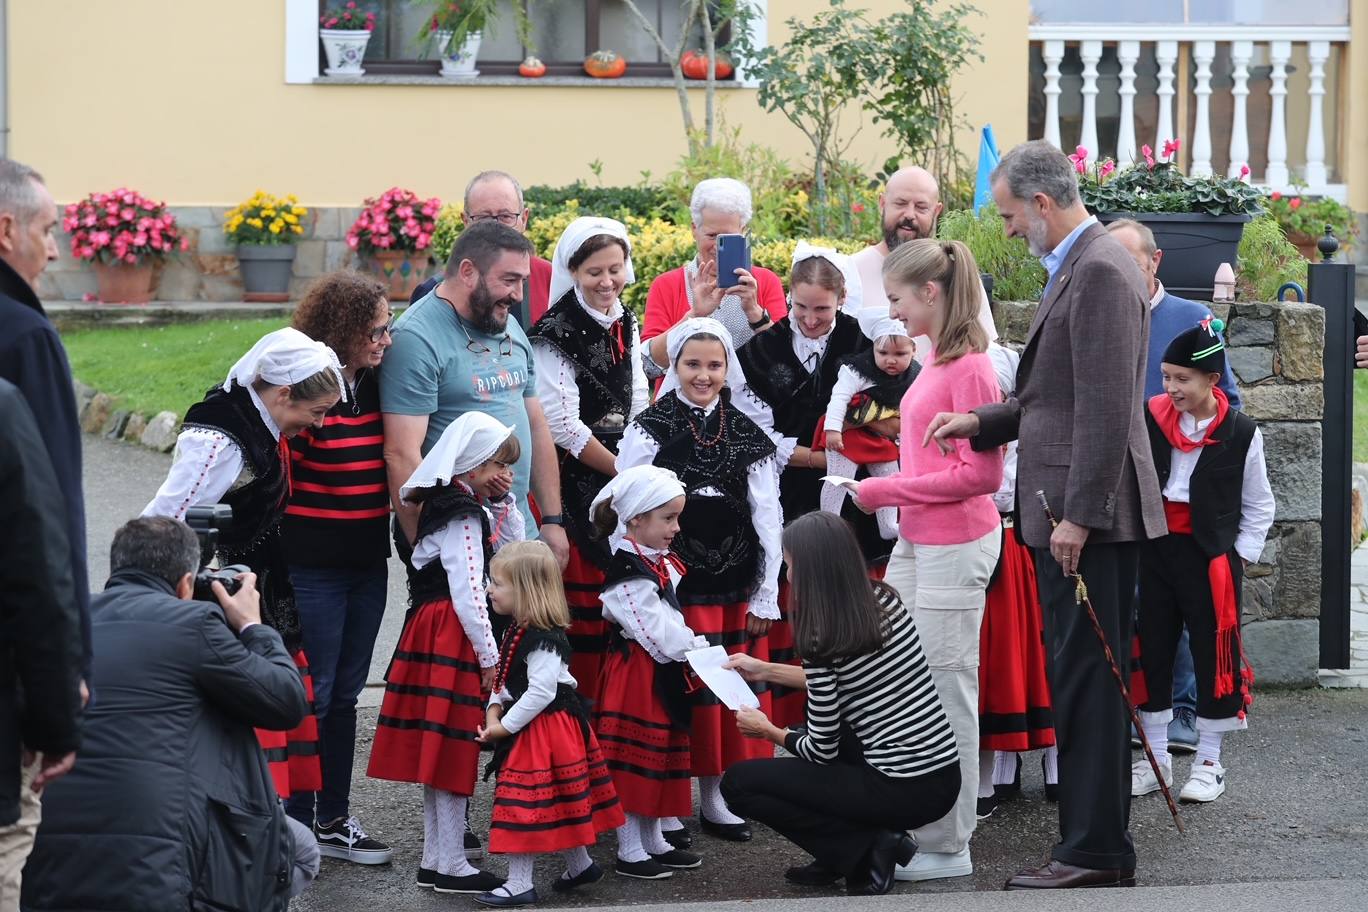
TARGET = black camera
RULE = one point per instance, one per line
(207, 521)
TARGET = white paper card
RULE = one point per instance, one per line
(725, 683)
(841, 481)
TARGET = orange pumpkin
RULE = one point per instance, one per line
(605, 65)
(694, 64)
(532, 68)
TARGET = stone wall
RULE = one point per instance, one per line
(1276, 353)
(208, 270)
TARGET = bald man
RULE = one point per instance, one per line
(909, 207)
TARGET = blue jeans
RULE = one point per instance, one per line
(1184, 676)
(340, 612)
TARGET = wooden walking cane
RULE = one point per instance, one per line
(1081, 598)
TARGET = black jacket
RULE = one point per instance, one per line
(33, 359)
(170, 805)
(40, 646)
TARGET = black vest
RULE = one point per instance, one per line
(253, 537)
(604, 380)
(669, 684)
(447, 505)
(1216, 490)
(716, 539)
(887, 390)
(513, 674)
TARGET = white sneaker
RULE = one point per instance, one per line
(1205, 783)
(1143, 780)
(935, 865)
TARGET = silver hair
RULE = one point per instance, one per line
(17, 191)
(1038, 167)
(721, 194)
(1142, 231)
(484, 176)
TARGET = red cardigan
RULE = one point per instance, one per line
(667, 302)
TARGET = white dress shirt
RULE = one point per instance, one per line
(810, 351)
(636, 607)
(1256, 503)
(545, 671)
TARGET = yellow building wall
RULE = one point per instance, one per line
(1355, 135)
(170, 97)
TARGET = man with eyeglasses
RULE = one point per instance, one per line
(494, 196)
(909, 208)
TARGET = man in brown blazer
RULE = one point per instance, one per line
(1078, 415)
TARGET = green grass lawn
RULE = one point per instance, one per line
(150, 369)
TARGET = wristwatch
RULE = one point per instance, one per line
(764, 318)
(552, 519)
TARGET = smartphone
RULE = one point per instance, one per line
(733, 253)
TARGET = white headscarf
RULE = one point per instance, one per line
(884, 326)
(572, 239)
(283, 358)
(854, 289)
(634, 491)
(467, 443)
(742, 396)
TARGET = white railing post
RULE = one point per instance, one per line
(1203, 52)
(1166, 55)
(1317, 53)
(1052, 52)
(1091, 53)
(1240, 54)
(1127, 52)
(1278, 55)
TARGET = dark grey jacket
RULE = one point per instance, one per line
(170, 805)
(40, 617)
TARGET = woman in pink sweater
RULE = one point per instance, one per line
(949, 530)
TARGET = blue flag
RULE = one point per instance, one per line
(988, 160)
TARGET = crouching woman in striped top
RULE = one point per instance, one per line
(878, 757)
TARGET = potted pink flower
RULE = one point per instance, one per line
(345, 31)
(123, 235)
(394, 231)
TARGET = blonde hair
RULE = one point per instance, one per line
(952, 266)
(531, 571)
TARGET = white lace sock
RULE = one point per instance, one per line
(710, 801)
(451, 857)
(629, 839)
(1004, 767)
(887, 516)
(652, 840)
(519, 878)
(833, 496)
(429, 828)
(985, 783)
(670, 824)
(1050, 763)
(577, 861)
(1208, 747)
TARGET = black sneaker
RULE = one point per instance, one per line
(473, 849)
(986, 806)
(679, 859)
(650, 869)
(426, 877)
(343, 838)
(479, 882)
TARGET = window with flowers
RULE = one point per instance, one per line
(562, 33)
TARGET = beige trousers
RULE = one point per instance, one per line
(16, 840)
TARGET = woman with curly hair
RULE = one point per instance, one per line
(337, 540)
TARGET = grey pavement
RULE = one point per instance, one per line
(1291, 833)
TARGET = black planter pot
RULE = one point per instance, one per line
(1195, 245)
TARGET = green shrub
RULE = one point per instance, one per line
(646, 201)
(1266, 261)
(1017, 275)
(780, 202)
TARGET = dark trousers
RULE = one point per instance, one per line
(1092, 725)
(339, 613)
(835, 811)
(1173, 593)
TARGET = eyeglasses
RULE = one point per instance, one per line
(479, 348)
(380, 332)
(503, 218)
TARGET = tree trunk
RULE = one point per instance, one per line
(710, 90)
(689, 13)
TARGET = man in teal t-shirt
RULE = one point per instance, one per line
(455, 350)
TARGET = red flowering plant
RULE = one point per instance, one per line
(397, 220)
(1307, 216)
(348, 18)
(1158, 186)
(122, 226)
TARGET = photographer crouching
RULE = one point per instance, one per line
(172, 805)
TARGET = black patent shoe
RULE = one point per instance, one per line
(678, 839)
(732, 832)
(890, 849)
(590, 875)
(525, 898)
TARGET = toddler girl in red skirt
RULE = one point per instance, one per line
(554, 793)
(446, 656)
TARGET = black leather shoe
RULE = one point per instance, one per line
(526, 898)
(1056, 875)
(678, 839)
(590, 875)
(479, 882)
(812, 875)
(890, 849)
(733, 832)
(985, 807)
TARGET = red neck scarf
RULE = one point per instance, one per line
(1161, 407)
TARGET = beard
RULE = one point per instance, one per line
(892, 239)
(1037, 233)
(484, 308)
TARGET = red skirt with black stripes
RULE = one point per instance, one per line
(714, 740)
(790, 705)
(432, 706)
(554, 789)
(588, 630)
(293, 755)
(647, 757)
